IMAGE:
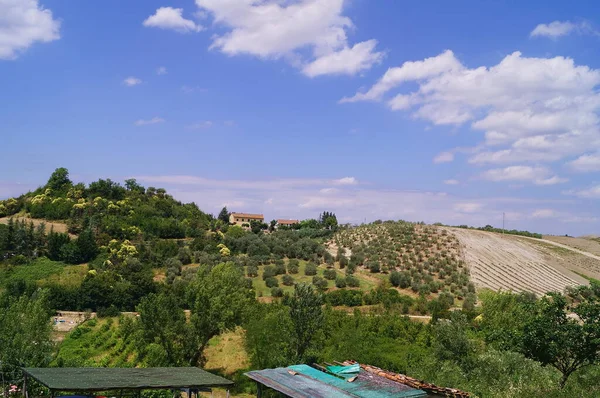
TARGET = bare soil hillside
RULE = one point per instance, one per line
(516, 263)
(590, 245)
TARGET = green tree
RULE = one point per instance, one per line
(59, 180)
(224, 215)
(25, 332)
(162, 322)
(307, 319)
(218, 298)
(554, 338)
(268, 337)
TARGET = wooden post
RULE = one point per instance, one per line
(25, 385)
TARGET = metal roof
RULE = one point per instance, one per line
(303, 381)
(102, 379)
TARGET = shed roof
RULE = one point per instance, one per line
(287, 222)
(102, 379)
(303, 381)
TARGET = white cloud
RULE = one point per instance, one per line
(171, 18)
(132, 81)
(468, 207)
(312, 34)
(347, 61)
(586, 163)
(537, 175)
(345, 181)
(23, 23)
(451, 182)
(161, 70)
(529, 110)
(544, 213)
(205, 124)
(154, 120)
(444, 157)
(557, 29)
(592, 192)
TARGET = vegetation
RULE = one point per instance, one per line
(312, 292)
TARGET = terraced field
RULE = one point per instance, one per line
(514, 263)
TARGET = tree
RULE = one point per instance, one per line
(268, 337)
(224, 215)
(218, 298)
(25, 332)
(328, 220)
(553, 338)
(307, 319)
(59, 180)
(162, 322)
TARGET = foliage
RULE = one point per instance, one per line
(307, 320)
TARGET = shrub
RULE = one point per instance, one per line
(293, 268)
(280, 268)
(252, 271)
(374, 266)
(329, 274)
(340, 282)
(269, 272)
(343, 262)
(350, 298)
(310, 269)
(288, 280)
(271, 282)
(276, 292)
(352, 281)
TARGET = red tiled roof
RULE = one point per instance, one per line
(287, 222)
(248, 215)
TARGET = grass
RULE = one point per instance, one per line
(226, 353)
(589, 278)
(38, 270)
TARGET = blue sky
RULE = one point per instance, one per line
(424, 110)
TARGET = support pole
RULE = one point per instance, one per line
(25, 386)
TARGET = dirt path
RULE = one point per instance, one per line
(571, 247)
(507, 262)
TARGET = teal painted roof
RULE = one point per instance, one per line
(310, 382)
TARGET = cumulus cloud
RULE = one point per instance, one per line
(586, 163)
(161, 70)
(132, 81)
(536, 175)
(23, 23)
(529, 111)
(154, 120)
(444, 157)
(557, 29)
(451, 182)
(172, 19)
(345, 181)
(312, 34)
(592, 192)
(543, 213)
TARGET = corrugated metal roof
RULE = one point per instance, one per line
(310, 382)
(101, 379)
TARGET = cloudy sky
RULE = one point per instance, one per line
(425, 110)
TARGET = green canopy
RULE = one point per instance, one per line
(102, 379)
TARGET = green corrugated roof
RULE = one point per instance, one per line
(101, 379)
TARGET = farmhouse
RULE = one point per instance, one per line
(245, 218)
(286, 223)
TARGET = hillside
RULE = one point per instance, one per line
(509, 262)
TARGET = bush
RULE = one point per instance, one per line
(271, 282)
(252, 271)
(374, 266)
(310, 269)
(320, 283)
(269, 272)
(276, 292)
(352, 281)
(293, 268)
(340, 282)
(329, 274)
(280, 268)
(288, 280)
(350, 298)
